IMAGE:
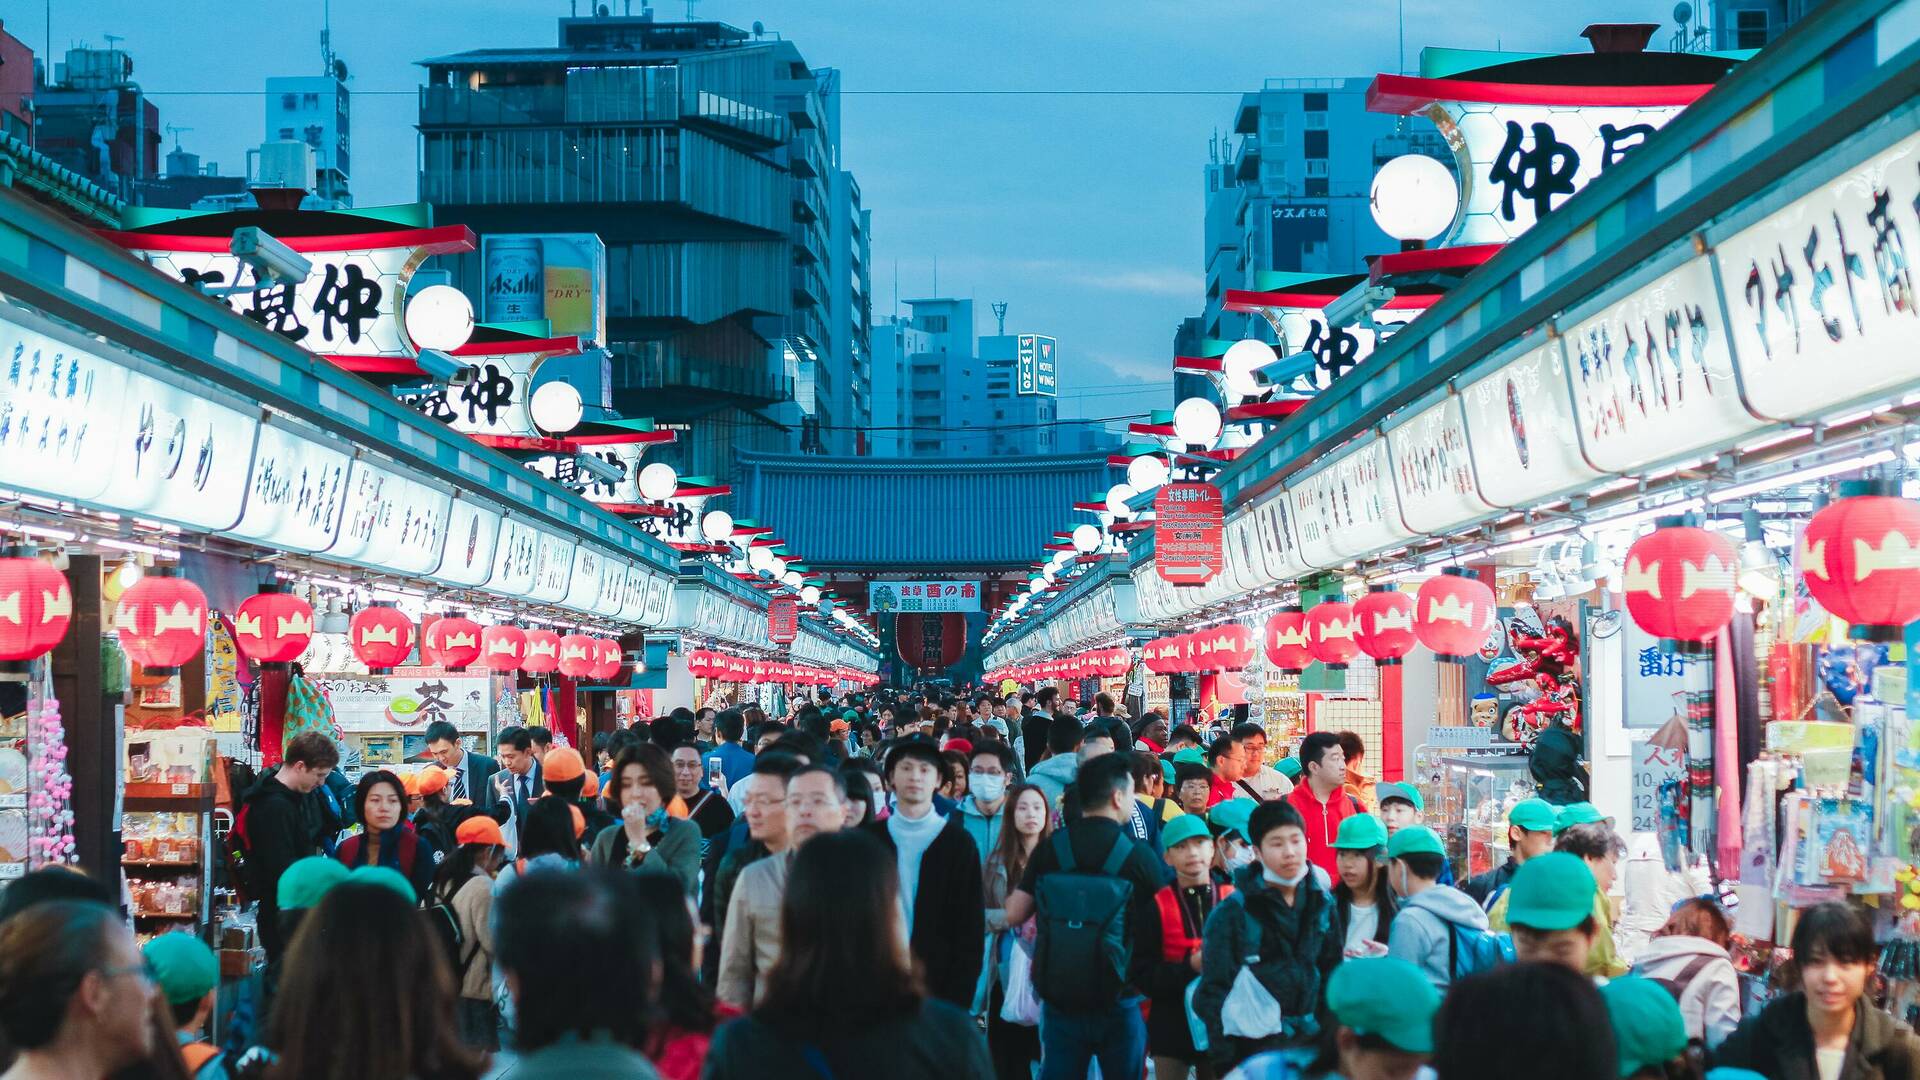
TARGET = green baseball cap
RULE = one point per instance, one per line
(1533, 815)
(1647, 1025)
(1360, 832)
(1580, 813)
(1231, 816)
(1288, 767)
(1192, 755)
(1387, 997)
(1415, 840)
(1552, 892)
(386, 877)
(184, 966)
(1182, 829)
(306, 880)
(1404, 792)
(851, 716)
(1166, 771)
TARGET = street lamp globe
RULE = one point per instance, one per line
(810, 595)
(1196, 421)
(556, 408)
(1086, 539)
(1413, 197)
(1242, 359)
(716, 526)
(761, 558)
(658, 481)
(1146, 472)
(792, 579)
(439, 317)
(1118, 498)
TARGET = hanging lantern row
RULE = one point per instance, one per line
(1095, 664)
(1680, 581)
(710, 664)
(1229, 647)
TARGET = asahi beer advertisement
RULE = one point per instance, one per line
(559, 277)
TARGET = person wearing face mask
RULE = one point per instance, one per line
(647, 840)
(989, 771)
(1233, 850)
(1279, 926)
(1432, 918)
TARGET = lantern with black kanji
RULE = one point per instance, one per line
(272, 627)
(381, 635)
(1383, 624)
(543, 653)
(1680, 580)
(451, 641)
(35, 606)
(1859, 558)
(162, 621)
(502, 648)
(1286, 639)
(1453, 614)
(1330, 634)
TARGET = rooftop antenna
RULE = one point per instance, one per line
(326, 38)
(690, 4)
(112, 40)
(175, 130)
(936, 275)
(1000, 315)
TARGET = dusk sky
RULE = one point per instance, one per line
(1072, 191)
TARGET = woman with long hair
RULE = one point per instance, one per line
(464, 883)
(860, 803)
(1015, 1047)
(1688, 955)
(387, 837)
(688, 1013)
(367, 947)
(549, 837)
(845, 956)
(647, 839)
(1363, 904)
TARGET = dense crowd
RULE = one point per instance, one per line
(913, 887)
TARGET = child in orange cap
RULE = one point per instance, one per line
(464, 884)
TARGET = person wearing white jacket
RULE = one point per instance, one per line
(1689, 957)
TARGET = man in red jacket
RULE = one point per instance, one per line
(1321, 797)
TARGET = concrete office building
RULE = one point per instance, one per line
(317, 110)
(939, 391)
(94, 119)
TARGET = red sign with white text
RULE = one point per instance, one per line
(1189, 521)
(783, 619)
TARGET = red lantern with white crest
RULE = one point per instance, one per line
(1286, 639)
(1233, 646)
(607, 659)
(272, 627)
(1383, 624)
(35, 607)
(1331, 634)
(1860, 556)
(1679, 582)
(381, 635)
(451, 641)
(162, 621)
(502, 648)
(576, 656)
(1453, 615)
(543, 653)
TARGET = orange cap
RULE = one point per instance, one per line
(678, 808)
(562, 764)
(411, 783)
(480, 829)
(431, 780)
(592, 787)
(579, 822)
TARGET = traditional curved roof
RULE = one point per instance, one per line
(865, 513)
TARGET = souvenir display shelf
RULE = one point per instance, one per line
(167, 841)
(1467, 796)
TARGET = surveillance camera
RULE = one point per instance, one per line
(1358, 304)
(600, 469)
(269, 257)
(1284, 370)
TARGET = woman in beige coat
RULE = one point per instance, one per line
(464, 882)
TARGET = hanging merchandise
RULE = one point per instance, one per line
(1453, 615)
(1383, 624)
(381, 636)
(577, 655)
(1680, 582)
(1550, 659)
(1857, 558)
(451, 641)
(1331, 634)
(162, 619)
(35, 606)
(1286, 640)
(543, 653)
(503, 647)
(50, 799)
(272, 628)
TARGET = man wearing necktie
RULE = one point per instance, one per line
(518, 781)
(470, 774)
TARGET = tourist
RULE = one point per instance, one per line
(1363, 903)
(276, 829)
(860, 801)
(517, 783)
(988, 773)
(729, 762)
(464, 884)
(1688, 957)
(1359, 783)
(1054, 773)
(1529, 835)
(387, 838)
(1525, 1020)
(75, 993)
(1232, 850)
(1599, 848)
(1192, 783)
(187, 973)
(542, 737)
(1183, 908)
(1549, 908)
(549, 839)
(815, 804)
(706, 808)
(566, 776)
(470, 775)
(1225, 760)
(939, 871)
(1649, 1034)
(1014, 1047)
(764, 819)
(1382, 1013)
(647, 839)
(677, 1043)
(1435, 922)
(1257, 781)
(1321, 799)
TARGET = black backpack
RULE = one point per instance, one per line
(446, 930)
(1082, 951)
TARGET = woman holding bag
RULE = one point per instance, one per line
(1014, 1046)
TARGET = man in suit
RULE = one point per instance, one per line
(517, 783)
(473, 774)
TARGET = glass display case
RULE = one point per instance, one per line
(1468, 793)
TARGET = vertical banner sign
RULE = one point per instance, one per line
(1653, 766)
(783, 620)
(1189, 520)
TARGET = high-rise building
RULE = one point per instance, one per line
(95, 120)
(704, 157)
(1020, 408)
(940, 391)
(316, 110)
(895, 340)
(16, 87)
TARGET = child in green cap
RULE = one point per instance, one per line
(1382, 1011)
(1550, 910)
(1648, 1030)
(1438, 928)
(187, 973)
(1183, 907)
(1363, 903)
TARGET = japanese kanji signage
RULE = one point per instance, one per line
(1348, 508)
(296, 492)
(408, 700)
(391, 521)
(1336, 350)
(1518, 417)
(497, 399)
(1189, 520)
(1034, 365)
(923, 596)
(1432, 469)
(783, 620)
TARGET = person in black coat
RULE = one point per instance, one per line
(278, 829)
(471, 774)
(941, 889)
(1556, 767)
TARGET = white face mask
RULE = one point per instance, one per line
(1287, 882)
(987, 787)
(1239, 857)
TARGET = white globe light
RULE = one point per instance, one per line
(1061, 559)
(761, 558)
(1146, 472)
(1414, 197)
(717, 526)
(439, 317)
(1242, 359)
(810, 595)
(1118, 497)
(1086, 539)
(556, 408)
(792, 578)
(1196, 421)
(658, 481)
(1049, 573)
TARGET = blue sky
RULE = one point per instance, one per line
(1077, 200)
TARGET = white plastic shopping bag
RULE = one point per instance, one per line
(1022, 1005)
(1250, 1011)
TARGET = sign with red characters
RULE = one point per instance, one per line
(1188, 529)
(783, 620)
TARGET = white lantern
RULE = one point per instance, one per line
(810, 595)
(658, 481)
(1086, 539)
(1119, 496)
(1049, 572)
(1414, 197)
(1196, 422)
(1242, 359)
(439, 317)
(717, 526)
(556, 408)
(761, 559)
(792, 579)
(1061, 559)
(1146, 472)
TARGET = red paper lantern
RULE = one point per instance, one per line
(162, 620)
(451, 641)
(1858, 558)
(1679, 582)
(543, 653)
(607, 659)
(1383, 626)
(35, 607)
(503, 647)
(1232, 646)
(1286, 640)
(381, 635)
(576, 656)
(1118, 661)
(1331, 634)
(272, 627)
(1453, 615)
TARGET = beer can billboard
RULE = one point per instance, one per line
(559, 277)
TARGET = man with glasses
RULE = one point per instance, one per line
(816, 802)
(705, 807)
(989, 773)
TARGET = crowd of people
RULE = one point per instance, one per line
(915, 887)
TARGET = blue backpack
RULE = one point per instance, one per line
(1471, 950)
